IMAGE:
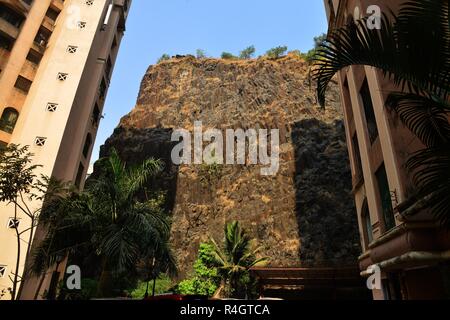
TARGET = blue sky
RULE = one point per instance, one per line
(175, 27)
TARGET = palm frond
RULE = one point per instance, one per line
(425, 117)
(431, 168)
(413, 60)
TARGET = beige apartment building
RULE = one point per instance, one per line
(56, 60)
(411, 252)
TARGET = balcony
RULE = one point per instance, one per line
(17, 5)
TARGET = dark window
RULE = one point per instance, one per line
(6, 42)
(87, 145)
(96, 115)
(357, 158)
(52, 14)
(368, 230)
(11, 16)
(42, 37)
(385, 196)
(368, 111)
(3, 145)
(8, 120)
(23, 84)
(102, 90)
(34, 56)
(80, 174)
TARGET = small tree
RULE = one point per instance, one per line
(234, 259)
(20, 187)
(164, 57)
(277, 52)
(200, 54)
(206, 279)
(247, 53)
(228, 56)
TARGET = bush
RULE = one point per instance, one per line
(163, 285)
(247, 53)
(228, 56)
(164, 57)
(206, 279)
(200, 54)
(277, 52)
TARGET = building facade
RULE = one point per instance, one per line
(56, 61)
(410, 252)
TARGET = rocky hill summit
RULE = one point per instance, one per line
(304, 215)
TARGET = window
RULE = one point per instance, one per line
(2, 271)
(96, 115)
(23, 84)
(52, 14)
(34, 57)
(87, 145)
(371, 122)
(13, 223)
(62, 76)
(385, 196)
(368, 230)
(11, 16)
(8, 120)
(52, 107)
(357, 158)
(42, 37)
(102, 90)
(79, 175)
(72, 49)
(40, 141)
(6, 42)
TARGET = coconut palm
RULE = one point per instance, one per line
(236, 257)
(107, 220)
(412, 49)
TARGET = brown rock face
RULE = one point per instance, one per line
(304, 215)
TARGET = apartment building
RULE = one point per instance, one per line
(56, 61)
(411, 252)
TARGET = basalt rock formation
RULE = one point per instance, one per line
(303, 215)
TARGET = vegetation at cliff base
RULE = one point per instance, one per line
(114, 230)
(224, 270)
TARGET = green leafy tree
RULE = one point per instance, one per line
(277, 52)
(206, 279)
(200, 54)
(412, 50)
(164, 57)
(158, 259)
(228, 56)
(19, 187)
(234, 259)
(247, 53)
(108, 220)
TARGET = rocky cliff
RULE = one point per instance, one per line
(303, 215)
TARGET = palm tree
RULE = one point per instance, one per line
(108, 220)
(158, 259)
(412, 49)
(235, 259)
